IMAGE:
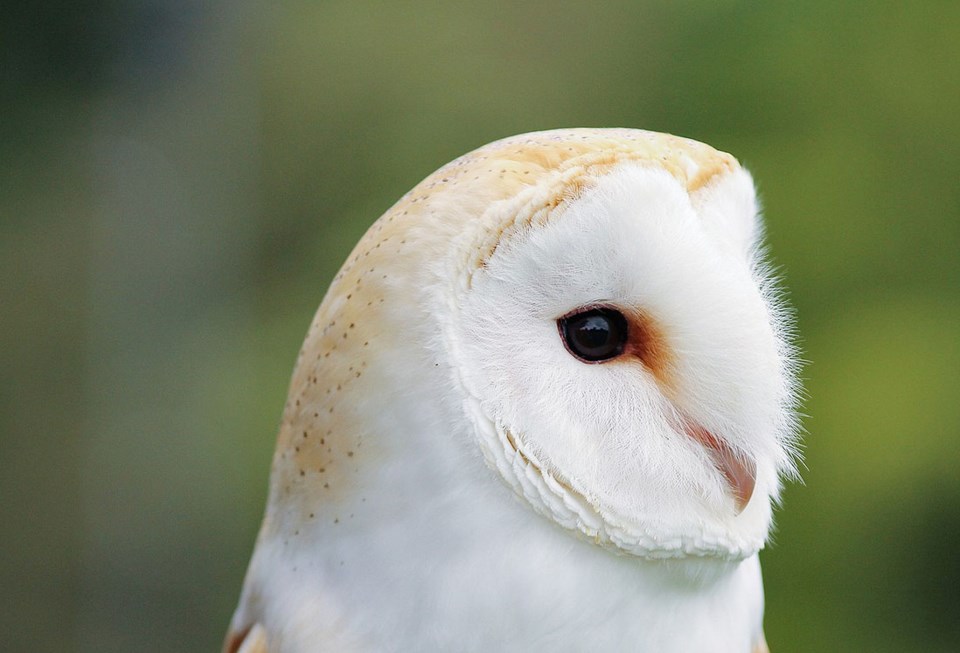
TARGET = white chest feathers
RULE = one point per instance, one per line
(545, 405)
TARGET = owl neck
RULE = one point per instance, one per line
(431, 550)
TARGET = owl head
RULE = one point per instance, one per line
(596, 316)
(582, 316)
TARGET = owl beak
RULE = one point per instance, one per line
(740, 473)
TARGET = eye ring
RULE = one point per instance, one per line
(594, 334)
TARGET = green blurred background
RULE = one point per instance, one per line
(179, 183)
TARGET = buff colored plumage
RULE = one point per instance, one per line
(433, 381)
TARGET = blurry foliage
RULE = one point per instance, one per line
(178, 186)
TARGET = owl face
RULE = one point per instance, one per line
(623, 363)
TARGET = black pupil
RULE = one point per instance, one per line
(597, 334)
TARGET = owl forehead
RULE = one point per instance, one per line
(693, 164)
(484, 197)
(541, 175)
(632, 230)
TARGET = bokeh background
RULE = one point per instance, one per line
(180, 181)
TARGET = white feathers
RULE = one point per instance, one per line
(609, 432)
(435, 387)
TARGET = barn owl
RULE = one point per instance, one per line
(546, 405)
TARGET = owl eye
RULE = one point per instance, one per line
(594, 335)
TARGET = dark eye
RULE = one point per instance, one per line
(594, 335)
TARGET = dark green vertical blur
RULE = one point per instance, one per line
(178, 185)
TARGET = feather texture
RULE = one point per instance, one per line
(449, 477)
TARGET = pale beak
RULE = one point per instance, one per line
(741, 474)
